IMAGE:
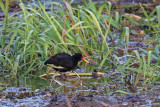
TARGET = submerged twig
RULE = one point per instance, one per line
(67, 74)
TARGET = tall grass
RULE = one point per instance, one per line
(36, 34)
(5, 8)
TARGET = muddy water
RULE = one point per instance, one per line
(34, 91)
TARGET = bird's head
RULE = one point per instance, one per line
(78, 56)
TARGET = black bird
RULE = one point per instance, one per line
(64, 62)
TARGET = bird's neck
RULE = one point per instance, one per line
(75, 61)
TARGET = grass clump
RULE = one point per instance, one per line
(36, 34)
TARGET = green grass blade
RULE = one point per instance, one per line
(2, 6)
(100, 10)
(16, 65)
(95, 21)
(54, 27)
(149, 59)
(3, 56)
(27, 40)
(158, 13)
(137, 54)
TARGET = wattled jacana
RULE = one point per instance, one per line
(64, 62)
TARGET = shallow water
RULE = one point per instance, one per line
(35, 91)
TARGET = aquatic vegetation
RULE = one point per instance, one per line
(35, 34)
(122, 47)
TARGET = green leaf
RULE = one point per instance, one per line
(121, 91)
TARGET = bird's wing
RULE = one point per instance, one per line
(60, 61)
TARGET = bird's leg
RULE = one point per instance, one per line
(63, 76)
(52, 79)
(58, 82)
(73, 72)
(55, 80)
(77, 75)
(79, 78)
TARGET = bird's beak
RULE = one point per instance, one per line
(84, 60)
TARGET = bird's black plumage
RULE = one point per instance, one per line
(63, 62)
